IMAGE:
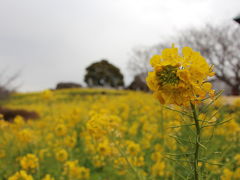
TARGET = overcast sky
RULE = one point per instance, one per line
(55, 40)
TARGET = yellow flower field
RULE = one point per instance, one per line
(102, 134)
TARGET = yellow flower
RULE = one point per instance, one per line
(48, 177)
(137, 161)
(2, 153)
(179, 78)
(73, 171)
(84, 173)
(70, 141)
(61, 155)
(227, 174)
(60, 130)
(68, 167)
(183, 75)
(98, 161)
(3, 124)
(29, 162)
(237, 159)
(133, 148)
(25, 135)
(19, 120)
(101, 124)
(237, 173)
(156, 156)
(47, 94)
(158, 169)
(120, 162)
(21, 175)
(104, 149)
(158, 147)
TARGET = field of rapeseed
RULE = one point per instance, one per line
(109, 134)
(186, 132)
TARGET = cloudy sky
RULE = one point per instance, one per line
(55, 40)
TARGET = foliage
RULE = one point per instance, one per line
(103, 74)
(139, 83)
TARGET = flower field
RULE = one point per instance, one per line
(113, 134)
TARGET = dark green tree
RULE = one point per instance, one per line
(103, 74)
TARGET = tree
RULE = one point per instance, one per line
(103, 74)
(139, 83)
(139, 60)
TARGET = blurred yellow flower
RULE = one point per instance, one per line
(61, 155)
(18, 120)
(227, 174)
(2, 153)
(48, 177)
(237, 159)
(29, 162)
(104, 149)
(60, 130)
(70, 141)
(156, 156)
(132, 148)
(237, 174)
(47, 94)
(21, 175)
(25, 135)
(84, 173)
(158, 169)
(73, 171)
(98, 161)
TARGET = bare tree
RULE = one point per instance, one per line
(139, 60)
(7, 83)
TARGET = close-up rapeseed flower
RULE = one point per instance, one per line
(180, 78)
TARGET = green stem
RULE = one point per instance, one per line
(197, 142)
